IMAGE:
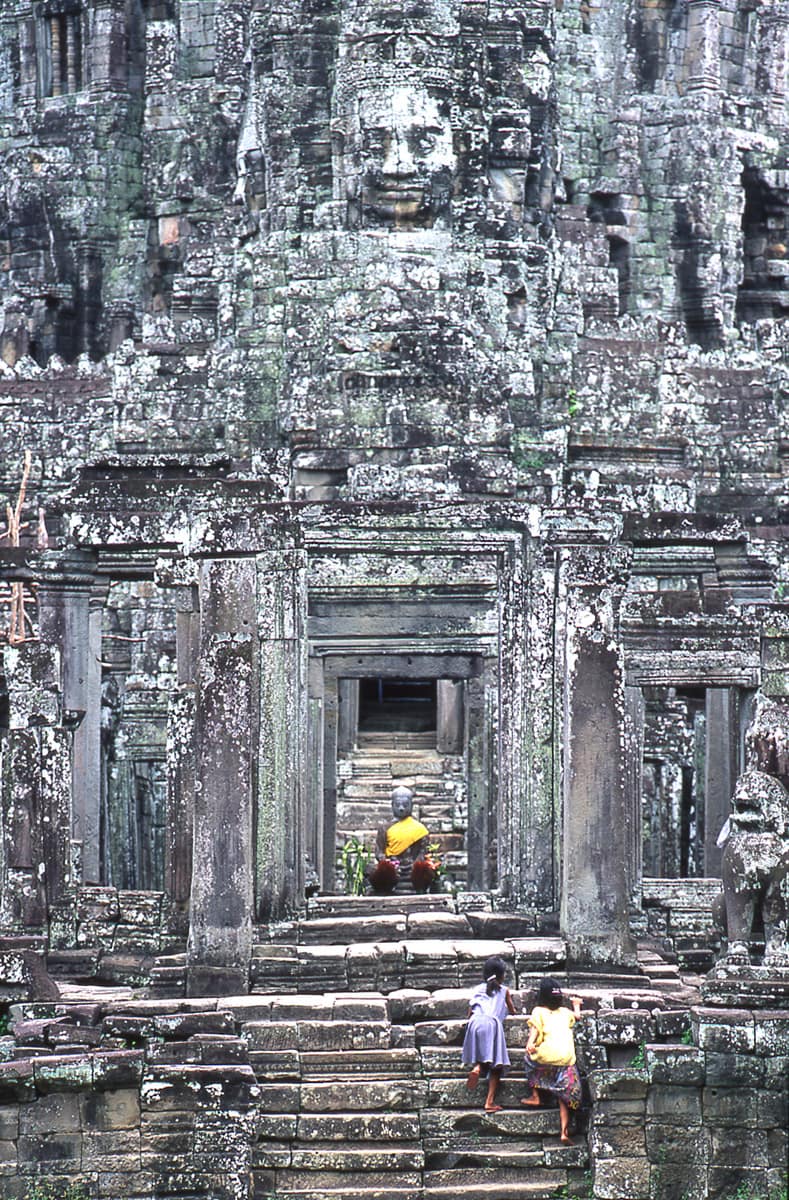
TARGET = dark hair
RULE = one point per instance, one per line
(550, 994)
(493, 972)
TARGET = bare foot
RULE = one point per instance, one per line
(566, 1140)
(492, 1108)
(472, 1079)
(531, 1102)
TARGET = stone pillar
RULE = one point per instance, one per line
(449, 716)
(109, 45)
(314, 851)
(347, 713)
(35, 789)
(597, 824)
(69, 606)
(329, 780)
(226, 724)
(481, 868)
(720, 769)
(773, 56)
(87, 748)
(181, 754)
(702, 60)
(634, 777)
(281, 820)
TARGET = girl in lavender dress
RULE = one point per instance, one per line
(484, 1046)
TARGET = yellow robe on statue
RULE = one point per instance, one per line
(403, 834)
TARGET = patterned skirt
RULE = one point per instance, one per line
(562, 1082)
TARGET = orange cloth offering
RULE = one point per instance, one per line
(403, 834)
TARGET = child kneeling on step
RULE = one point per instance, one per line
(550, 1053)
(484, 1045)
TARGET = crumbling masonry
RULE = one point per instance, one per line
(389, 392)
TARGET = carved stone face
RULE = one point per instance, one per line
(406, 159)
(402, 803)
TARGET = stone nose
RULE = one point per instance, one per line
(398, 159)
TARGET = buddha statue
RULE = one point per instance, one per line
(403, 842)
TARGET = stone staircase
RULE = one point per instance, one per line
(384, 944)
(348, 1050)
(381, 760)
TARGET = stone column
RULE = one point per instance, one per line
(720, 769)
(449, 716)
(109, 46)
(347, 713)
(480, 867)
(773, 56)
(181, 752)
(87, 748)
(634, 775)
(702, 58)
(281, 820)
(70, 618)
(226, 725)
(597, 823)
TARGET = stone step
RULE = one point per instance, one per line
(453, 1185)
(352, 1192)
(480, 1152)
(365, 906)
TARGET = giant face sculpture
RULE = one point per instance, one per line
(394, 154)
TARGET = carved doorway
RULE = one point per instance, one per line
(419, 720)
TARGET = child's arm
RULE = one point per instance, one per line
(576, 1002)
(534, 1035)
(510, 1005)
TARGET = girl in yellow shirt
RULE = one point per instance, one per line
(550, 1053)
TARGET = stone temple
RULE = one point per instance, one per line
(392, 393)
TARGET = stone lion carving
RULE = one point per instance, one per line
(755, 868)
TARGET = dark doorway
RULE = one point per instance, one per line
(397, 705)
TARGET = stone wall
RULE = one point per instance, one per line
(701, 1120)
(224, 1099)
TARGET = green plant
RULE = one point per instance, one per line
(572, 402)
(639, 1059)
(687, 1037)
(4, 1022)
(56, 1189)
(747, 1191)
(355, 859)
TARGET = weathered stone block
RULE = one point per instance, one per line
(280, 1097)
(180, 1026)
(117, 1068)
(17, 1079)
(674, 1105)
(625, 1027)
(66, 1073)
(342, 1035)
(117, 1109)
(772, 1033)
(724, 1031)
(621, 1179)
(111, 1150)
(271, 1035)
(344, 1127)
(731, 1106)
(675, 1143)
(728, 1181)
(727, 1070)
(614, 1141)
(58, 1113)
(773, 1110)
(679, 1065)
(62, 1151)
(619, 1084)
(727, 1149)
